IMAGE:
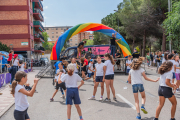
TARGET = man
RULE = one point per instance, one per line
(118, 55)
(80, 47)
(135, 54)
(113, 46)
(152, 57)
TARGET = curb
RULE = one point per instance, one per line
(6, 109)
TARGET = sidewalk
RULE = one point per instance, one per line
(6, 99)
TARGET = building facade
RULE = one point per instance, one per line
(55, 32)
(20, 25)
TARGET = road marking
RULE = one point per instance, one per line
(125, 100)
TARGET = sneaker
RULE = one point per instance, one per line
(172, 119)
(107, 100)
(101, 98)
(117, 69)
(138, 117)
(91, 98)
(144, 110)
(51, 99)
(114, 99)
(62, 96)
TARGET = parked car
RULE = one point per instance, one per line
(96, 50)
(44, 60)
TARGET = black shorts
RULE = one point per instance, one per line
(118, 62)
(62, 85)
(84, 68)
(21, 115)
(9, 62)
(109, 77)
(165, 91)
(99, 78)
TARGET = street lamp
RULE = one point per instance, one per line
(118, 20)
(169, 10)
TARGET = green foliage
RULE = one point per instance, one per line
(88, 42)
(47, 45)
(4, 47)
(100, 38)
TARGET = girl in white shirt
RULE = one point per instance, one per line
(165, 89)
(22, 65)
(20, 94)
(109, 76)
(135, 78)
(73, 61)
(171, 58)
(99, 78)
(72, 95)
(177, 71)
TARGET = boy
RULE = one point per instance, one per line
(128, 62)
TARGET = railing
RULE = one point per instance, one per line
(38, 35)
(38, 11)
(41, 3)
(41, 36)
(39, 48)
(38, 23)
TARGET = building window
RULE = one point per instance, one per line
(56, 36)
(52, 36)
(56, 28)
(52, 32)
(47, 28)
(52, 28)
(76, 44)
(61, 28)
(56, 32)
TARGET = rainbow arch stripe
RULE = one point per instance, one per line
(56, 50)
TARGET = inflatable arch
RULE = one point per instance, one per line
(56, 50)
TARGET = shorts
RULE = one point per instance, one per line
(174, 76)
(21, 115)
(118, 62)
(177, 76)
(72, 95)
(84, 68)
(137, 87)
(62, 85)
(90, 74)
(109, 77)
(99, 78)
(9, 62)
(127, 71)
(165, 91)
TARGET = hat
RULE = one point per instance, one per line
(15, 55)
(91, 60)
(71, 67)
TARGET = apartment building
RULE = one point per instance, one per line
(20, 25)
(55, 32)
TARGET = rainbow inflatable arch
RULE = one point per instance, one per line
(56, 50)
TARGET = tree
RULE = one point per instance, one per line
(100, 38)
(89, 42)
(4, 47)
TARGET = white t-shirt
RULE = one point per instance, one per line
(91, 67)
(21, 103)
(164, 60)
(56, 77)
(76, 70)
(177, 65)
(128, 62)
(21, 68)
(109, 67)
(15, 62)
(59, 71)
(99, 69)
(173, 61)
(136, 76)
(163, 77)
(71, 81)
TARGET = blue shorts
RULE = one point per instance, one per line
(127, 71)
(138, 87)
(99, 78)
(72, 95)
(174, 76)
(90, 74)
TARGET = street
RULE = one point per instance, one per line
(124, 109)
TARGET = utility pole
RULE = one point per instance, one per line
(169, 10)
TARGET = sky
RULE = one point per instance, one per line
(73, 12)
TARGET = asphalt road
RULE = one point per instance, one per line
(42, 109)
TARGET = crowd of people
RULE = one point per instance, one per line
(67, 77)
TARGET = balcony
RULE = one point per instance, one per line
(38, 15)
(38, 4)
(39, 49)
(38, 37)
(38, 26)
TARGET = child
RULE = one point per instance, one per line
(58, 71)
(11, 52)
(62, 85)
(20, 95)
(84, 63)
(128, 62)
(99, 78)
(165, 58)
(22, 65)
(165, 89)
(135, 78)
(90, 69)
(148, 59)
(177, 71)
(71, 80)
(73, 61)
(108, 76)
(171, 58)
